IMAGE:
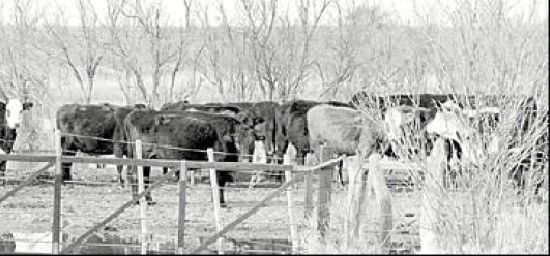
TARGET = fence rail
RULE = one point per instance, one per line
(220, 166)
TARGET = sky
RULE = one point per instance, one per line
(398, 8)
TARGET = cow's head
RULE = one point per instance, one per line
(14, 109)
(247, 131)
(249, 119)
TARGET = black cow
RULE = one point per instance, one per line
(236, 110)
(92, 129)
(10, 121)
(120, 137)
(186, 135)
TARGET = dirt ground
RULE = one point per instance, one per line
(83, 206)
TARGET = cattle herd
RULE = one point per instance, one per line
(184, 130)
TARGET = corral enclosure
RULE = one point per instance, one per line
(480, 47)
(267, 231)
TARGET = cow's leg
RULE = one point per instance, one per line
(223, 178)
(66, 167)
(120, 181)
(164, 170)
(2, 171)
(300, 157)
(118, 152)
(146, 182)
(133, 180)
(340, 175)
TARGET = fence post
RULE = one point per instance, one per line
(181, 206)
(56, 225)
(293, 228)
(308, 200)
(376, 178)
(436, 164)
(356, 200)
(215, 197)
(142, 202)
(324, 192)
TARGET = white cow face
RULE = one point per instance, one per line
(14, 108)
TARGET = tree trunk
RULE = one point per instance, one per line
(90, 89)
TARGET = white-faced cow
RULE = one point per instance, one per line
(10, 122)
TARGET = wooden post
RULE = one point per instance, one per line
(308, 200)
(142, 201)
(181, 206)
(376, 178)
(215, 197)
(56, 225)
(293, 228)
(324, 192)
(124, 171)
(436, 164)
(355, 200)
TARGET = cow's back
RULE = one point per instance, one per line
(342, 130)
(188, 133)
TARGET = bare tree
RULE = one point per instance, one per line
(187, 4)
(283, 60)
(277, 50)
(488, 50)
(78, 50)
(340, 63)
(224, 61)
(21, 71)
(131, 24)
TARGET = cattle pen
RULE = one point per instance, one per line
(188, 220)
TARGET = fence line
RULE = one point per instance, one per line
(177, 164)
(220, 166)
(164, 146)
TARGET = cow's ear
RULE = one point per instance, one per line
(27, 105)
